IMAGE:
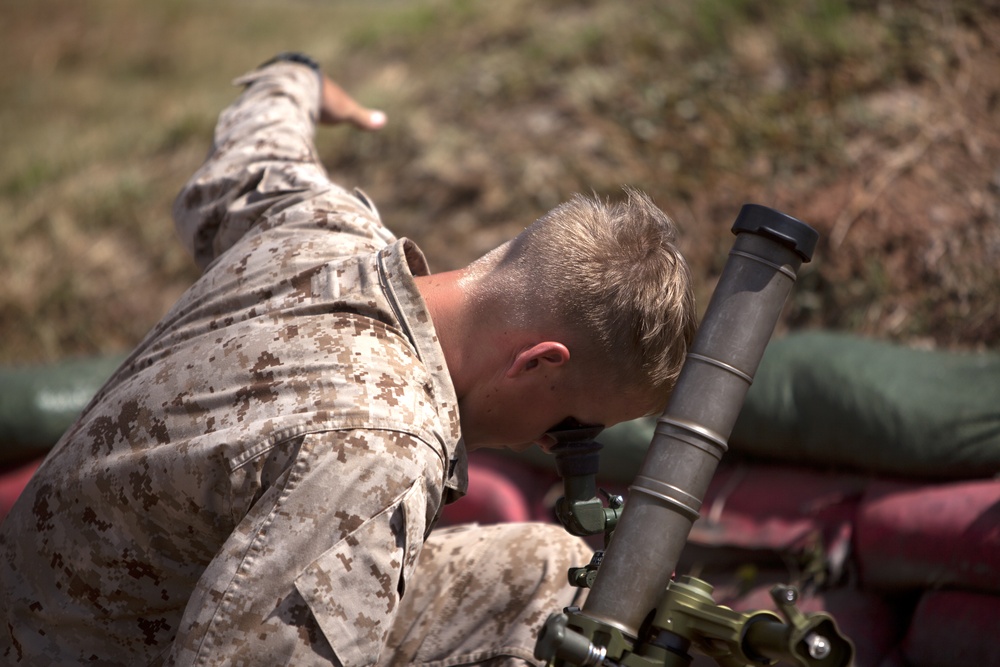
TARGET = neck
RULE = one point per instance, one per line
(456, 324)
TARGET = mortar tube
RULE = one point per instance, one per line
(692, 433)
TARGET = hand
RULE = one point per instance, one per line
(336, 106)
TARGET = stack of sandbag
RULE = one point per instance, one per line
(886, 457)
(943, 542)
(910, 571)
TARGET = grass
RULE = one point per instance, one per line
(498, 111)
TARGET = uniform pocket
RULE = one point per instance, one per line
(353, 589)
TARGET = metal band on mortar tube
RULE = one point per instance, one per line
(692, 433)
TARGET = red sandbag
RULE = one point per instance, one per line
(494, 497)
(954, 629)
(930, 536)
(779, 508)
(12, 482)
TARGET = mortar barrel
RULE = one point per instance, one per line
(692, 433)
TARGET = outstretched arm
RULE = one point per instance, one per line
(263, 151)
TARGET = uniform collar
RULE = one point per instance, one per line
(398, 263)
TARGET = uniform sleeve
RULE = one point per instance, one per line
(314, 572)
(262, 153)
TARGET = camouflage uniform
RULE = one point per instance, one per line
(255, 483)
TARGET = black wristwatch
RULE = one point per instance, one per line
(293, 57)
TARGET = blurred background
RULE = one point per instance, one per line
(874, 121)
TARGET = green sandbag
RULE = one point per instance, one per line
(838, 400)
(38, 403)
(835, 400)
(625, 448)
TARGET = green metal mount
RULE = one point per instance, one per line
(582, 513)
(581, 510)
(688, 618)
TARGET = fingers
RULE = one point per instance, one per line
(336, 106)
(373, 119)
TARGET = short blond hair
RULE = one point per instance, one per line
(612, 274)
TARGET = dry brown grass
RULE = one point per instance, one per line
(877, 124)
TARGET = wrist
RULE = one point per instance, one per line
(293, 57)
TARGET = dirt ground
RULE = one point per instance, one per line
(900, 174)
(876, 122)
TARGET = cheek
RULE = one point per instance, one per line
(511, 418)
(516, 428)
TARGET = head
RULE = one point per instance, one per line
(601, 300)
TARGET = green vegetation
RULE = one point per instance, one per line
(875, 122)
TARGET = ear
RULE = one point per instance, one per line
(539, 355)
